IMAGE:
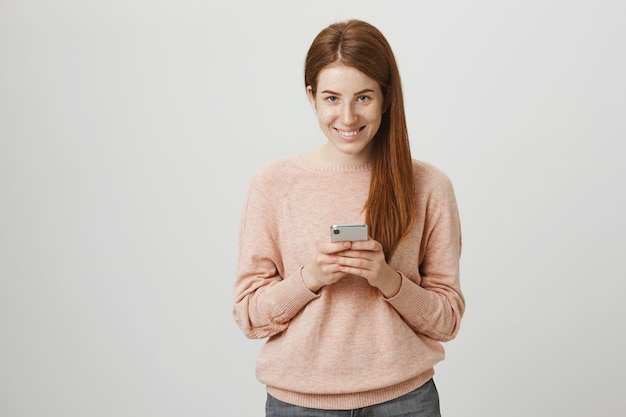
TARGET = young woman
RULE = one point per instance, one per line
(350, 325)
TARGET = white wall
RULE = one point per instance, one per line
(129, 130)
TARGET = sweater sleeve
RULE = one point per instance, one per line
(434, 304)
(264, 298)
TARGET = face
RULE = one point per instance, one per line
(349, 107)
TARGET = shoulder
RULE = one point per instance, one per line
(276, 176)
(434, 192)
(428, 176)
(277, 170)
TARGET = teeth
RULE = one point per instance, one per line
(353, 133)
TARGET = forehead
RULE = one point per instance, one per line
(338, 77)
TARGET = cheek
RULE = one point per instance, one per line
(325, 114)
(374, 115)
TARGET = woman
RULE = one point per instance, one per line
(350, 325)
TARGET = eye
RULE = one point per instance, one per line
(362, 99)
(331, 99)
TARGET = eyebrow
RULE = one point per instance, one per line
(358, 93)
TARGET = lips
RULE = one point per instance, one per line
(348, 133)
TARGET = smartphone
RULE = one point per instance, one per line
(348, 232)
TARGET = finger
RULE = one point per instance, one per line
(354, 262)
(360, 272)
(334, 247)
(367, 255)
(367, 245)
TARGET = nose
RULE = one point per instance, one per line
(348, 114)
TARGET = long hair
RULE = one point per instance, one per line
(390, 206)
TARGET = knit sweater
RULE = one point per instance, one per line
(346, 346)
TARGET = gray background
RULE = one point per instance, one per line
(129, 131)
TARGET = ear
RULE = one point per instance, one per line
(309, 93)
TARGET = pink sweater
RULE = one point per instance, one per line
(347, 346)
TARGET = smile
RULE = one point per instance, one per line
(348, 134)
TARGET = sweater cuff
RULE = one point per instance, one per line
(410, 297)
(294, 295)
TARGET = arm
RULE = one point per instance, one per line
(264, 298)
(435, 306)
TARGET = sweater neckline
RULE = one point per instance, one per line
(317, 166)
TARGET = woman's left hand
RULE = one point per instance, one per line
(366, 259)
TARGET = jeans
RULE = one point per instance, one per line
(422, 402)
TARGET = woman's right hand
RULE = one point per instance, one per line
(325, 270)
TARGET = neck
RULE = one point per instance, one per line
(328, 155)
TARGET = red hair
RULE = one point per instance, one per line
(389, 208)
